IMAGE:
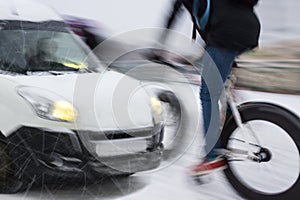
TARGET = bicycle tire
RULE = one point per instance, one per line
(278, 116)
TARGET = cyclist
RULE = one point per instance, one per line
(228, 28)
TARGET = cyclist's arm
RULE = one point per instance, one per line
(177, 10)
(247, 2)
(171, 19)
(174, 13)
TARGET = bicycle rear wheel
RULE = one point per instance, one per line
(278, 131)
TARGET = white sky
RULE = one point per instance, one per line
(279, 18)
(120, 15)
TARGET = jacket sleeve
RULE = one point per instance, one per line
(171, 19)
(176, 10)
(247, 2)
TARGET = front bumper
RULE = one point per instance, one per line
(37, 151)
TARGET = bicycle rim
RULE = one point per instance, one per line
(267, 177)
(278, 131)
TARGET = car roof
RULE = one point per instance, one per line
(27, 10)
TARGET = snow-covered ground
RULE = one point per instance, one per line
(290, 102)
(170, 182)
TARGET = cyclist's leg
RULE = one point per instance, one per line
(210, 92)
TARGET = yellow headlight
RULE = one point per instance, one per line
(74, 65)
(64, 111)
(156, 105)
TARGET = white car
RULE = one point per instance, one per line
(62, 114)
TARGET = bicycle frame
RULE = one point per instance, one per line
(240, 132)
(228, 99)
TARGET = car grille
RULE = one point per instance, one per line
(117, 143)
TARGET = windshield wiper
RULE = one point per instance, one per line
(49, 66)
(12, 68)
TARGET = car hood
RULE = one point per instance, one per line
(105, 101)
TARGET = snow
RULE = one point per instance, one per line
(290, 102)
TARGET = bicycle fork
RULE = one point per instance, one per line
(236, 154)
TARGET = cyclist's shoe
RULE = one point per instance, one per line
(208, 166)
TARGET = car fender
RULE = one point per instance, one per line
(11, 105)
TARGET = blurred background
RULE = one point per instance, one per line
(275, 64)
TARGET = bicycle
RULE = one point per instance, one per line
(244, 146)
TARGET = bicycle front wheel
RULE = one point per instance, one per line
(271, 128)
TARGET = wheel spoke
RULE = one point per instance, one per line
(271, 133)
(271, 171)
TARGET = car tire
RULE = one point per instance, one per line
(9, 184)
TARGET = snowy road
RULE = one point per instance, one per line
(169, 182)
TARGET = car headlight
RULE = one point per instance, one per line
(48, 105)
(156, 105)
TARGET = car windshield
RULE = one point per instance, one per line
(43, 47)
